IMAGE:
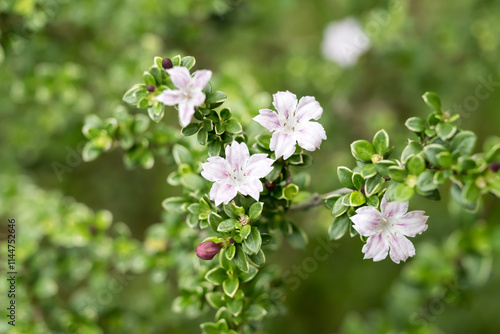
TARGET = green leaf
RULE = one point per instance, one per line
(415, 124)
(240, 259)
(90, 152)
(233, 210)
(411, 149)
(230, 251)
(230, 286)
(225, 114)
(297, 238)
(235, 306)
(245, 231)
(149, 79)
(400, 192)
(416, 165)
(233, 126)
(373, 185)
(191, 129)
(381, 142)
(444, 159)
(425, 181)
(174, 204)
(339, 227)
(397, 173)
(255, 210)
(188, 62)
(362, 150)
(357, 180)
(202, 136)
(216, 276)
(463, 143)
(345, 177)
(431, 152)
(247, 277)
(214, 220)
(135, 93)
(339, 208)
(156, 111)
(192, 181)
(432, 100)
(255, 312)
(264, 141)
(368, 171)
(216, 98)
(259, 259)
(357, 198)
(445, 130)
(254, 240)
(290, 191)
(383, 167)
(493, 154)
(215, 299)
(214, 148)
(470, 192)
(227, 225)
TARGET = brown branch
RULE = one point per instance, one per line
(317, 200)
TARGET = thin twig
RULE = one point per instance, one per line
(317, 200)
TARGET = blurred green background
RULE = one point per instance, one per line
(61, 60)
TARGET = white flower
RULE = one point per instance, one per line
(238, 172)
(291, 124)
(344, 42)
(388, 228)
(190, 93)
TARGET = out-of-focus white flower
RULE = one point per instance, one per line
(344, 42)
(386, 229)
(291, 124)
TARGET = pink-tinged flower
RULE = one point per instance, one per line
(207, 250)
(292, 124)
(189, 93)
(387, 229)
(238, 172)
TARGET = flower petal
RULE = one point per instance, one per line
(393, 209)
(375, 248)
(169, 97)
(215, 169)
(259, 166)
(268, 119)
(366, 220)
(252, 188)
(186, 112)
(222, 193)
(310, 135)
(282, 144)
(285, 103)
(308, 108)
(201, 78)
(180, 76)
(197, 98)
(237, 155)
(412, 223)
(401, 248)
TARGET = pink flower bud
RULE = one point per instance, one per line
(494, 167)
(207, 250)
(150, 88)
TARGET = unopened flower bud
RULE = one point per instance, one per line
(495, 166)
(207, 250)
(150, 88)
(270, 185)
(167, 63)
(377, 158)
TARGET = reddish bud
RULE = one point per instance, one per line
(207, 250)
(495, 166)
(167, 63)
(150, 88)
(270, 185)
